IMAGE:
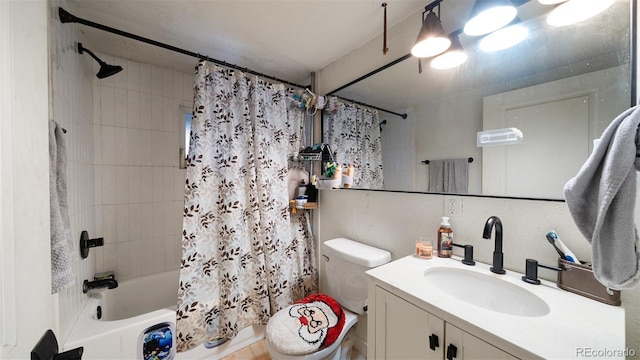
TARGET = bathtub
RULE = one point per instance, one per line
(131, 308)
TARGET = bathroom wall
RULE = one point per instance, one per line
(139, 189)
(398, 151)
(71, 90)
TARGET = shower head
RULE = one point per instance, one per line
(106, 70)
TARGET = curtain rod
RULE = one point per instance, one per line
(66, 17)
(404, 116)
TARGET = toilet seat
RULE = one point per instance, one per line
(350, 320)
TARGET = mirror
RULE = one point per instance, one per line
(557, 73)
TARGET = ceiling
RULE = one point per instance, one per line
(286, 39)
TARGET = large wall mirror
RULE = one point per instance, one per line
(561, 86)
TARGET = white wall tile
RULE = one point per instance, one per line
(99, 230)
(158, 184)
(133, 76)
(135, 222)
(122, 184)
(97, 183)
(168, 211)
(156, 80)
(145, 146)
(121, 146)
(109, 184)
(167, 82)
(146, 184)
(134, 146)
(97, 144)
(121, 103)
(133, 109)
(98, 259)
(122, 222)
(170, 257)
(110, 256)
(146, 221)
(135, 256)
(107, 105)
(148, 257)
(157, 221)
(96, 104)
(145, 111)
(157, 148)
(169, 114)
(158, 254)
(187, 87)
(145, 78)
(120, 79)
(178, 87)
(134, 185)
(124, 261)
(109, 224)
(180, 184)
(179, 216)
(108, 141)
(156, 113)
(169, 183)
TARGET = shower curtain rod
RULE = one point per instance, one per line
(66, 17)
(404, 116)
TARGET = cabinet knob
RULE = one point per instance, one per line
(452, 352)
(434, 342)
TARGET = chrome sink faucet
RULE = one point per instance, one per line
(492, 222)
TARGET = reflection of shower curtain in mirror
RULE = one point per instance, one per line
(354, 132)
(243, 257)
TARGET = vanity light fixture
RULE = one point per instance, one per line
(505, 38)
(432, 39)
(452, 58)
(574, 11)
(488, 16)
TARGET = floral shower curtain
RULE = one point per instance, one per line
(243, 259)
(353, 131)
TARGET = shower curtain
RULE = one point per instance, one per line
(243, 258)
(353, 131)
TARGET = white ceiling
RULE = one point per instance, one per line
(286, 39)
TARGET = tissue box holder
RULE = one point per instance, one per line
(579, 279)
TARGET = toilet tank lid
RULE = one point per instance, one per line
(357, 253)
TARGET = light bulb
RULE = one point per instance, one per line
(430, 47)
(490, 20)
(504, 38)
(574, 11)
(449, 60)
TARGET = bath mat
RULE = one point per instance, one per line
(309, 325)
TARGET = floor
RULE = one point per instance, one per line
(258, 351)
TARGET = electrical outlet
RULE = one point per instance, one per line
(453, 207)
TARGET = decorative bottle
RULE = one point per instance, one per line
(445, 238)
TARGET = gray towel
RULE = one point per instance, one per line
(601, 199)
(63, 255)
(449, 176)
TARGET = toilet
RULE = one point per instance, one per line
(343, 278)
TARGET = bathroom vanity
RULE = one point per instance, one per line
(442, 309)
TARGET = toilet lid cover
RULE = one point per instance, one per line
(309, 325)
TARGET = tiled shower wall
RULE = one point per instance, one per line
(71, 86)
(139, 188)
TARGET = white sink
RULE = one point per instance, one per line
(486, 291)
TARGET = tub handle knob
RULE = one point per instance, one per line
(86, 243)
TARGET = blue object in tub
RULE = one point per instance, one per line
(157, 342)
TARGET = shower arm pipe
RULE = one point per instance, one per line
(67, 17)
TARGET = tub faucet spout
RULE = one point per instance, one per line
(492, 222)
(97, 284)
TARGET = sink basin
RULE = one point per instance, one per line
(486, 291)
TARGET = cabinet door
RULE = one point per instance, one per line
(404, 331)
(461, 345)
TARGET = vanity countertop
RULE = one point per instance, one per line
(574, 328)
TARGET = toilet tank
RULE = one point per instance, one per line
(343, 266)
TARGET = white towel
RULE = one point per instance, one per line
(449, 176)
(63, 255)
(601, 199)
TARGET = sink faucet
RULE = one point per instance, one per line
(108, 283)
(497, 251)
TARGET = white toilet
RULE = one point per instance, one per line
(345, 262)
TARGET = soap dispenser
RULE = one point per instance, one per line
(445, 238)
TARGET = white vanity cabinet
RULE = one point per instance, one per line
(405, 331)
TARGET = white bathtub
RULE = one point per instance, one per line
(132, 307)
